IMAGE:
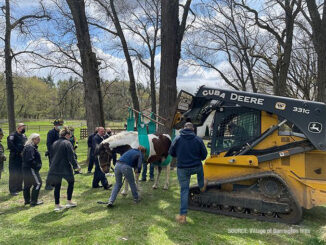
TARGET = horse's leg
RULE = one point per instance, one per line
(167, 178)
(158, 170)
(125, 190)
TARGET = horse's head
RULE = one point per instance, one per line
(105, 155)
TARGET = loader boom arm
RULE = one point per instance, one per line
(308, 116)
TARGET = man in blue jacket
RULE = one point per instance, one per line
(130, 160)
(189, 150)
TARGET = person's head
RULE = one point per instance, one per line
(101, 131)
(65, 133)
(108, 131)
(189, 125)
(33, 139)
(72, 130)
(58, 123)
(21, 127)
(142, 150)
(1, 134)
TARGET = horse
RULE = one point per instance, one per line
(159, 145)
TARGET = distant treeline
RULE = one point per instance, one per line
(39, 98)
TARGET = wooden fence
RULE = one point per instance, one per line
(84, 134)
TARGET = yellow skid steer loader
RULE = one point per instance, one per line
(268, 153)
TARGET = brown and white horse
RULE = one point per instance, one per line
(159, 145)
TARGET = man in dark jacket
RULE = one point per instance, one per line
(131, 159)
(16, 142)
(62, 163)
(91, 151)
(53, 136)
(99, 176)
(189, 150)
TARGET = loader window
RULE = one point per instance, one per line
(235, 130)
(289, 129)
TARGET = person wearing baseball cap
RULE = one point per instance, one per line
(53, 135)
(16, 142)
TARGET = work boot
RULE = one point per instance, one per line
(181, 219)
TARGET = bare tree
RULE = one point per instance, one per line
(304, 62)
(110, 9)
(145, 24)
(12, 24)
(91, 78)
(222, 29)
(282, 32)
(172, 34)
(317, 21)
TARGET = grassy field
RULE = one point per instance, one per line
(149, 222)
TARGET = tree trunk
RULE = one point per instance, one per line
(280, 87)
(169, 60)
(152, 85)
(91, 78)
(318, 26)
(132, 86)
(8, 72)
(321, 75)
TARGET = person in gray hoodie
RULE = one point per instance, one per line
(189, 150)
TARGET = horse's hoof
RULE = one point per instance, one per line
(124, 193)
(154, 186)
(165, 187)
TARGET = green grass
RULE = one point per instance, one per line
(149, 222)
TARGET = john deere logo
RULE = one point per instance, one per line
(280, 106)
(315, 127)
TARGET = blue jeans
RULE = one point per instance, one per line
(120, 170)
(184, 175)
(151, 171)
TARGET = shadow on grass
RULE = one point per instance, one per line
(151, 221)
(15, 209)
(5, 198)
(49, 217)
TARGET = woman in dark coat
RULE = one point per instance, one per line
(62, 165)
(32, 164)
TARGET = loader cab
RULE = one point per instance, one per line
(233, 127)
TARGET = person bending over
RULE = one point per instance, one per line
(130, 160)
